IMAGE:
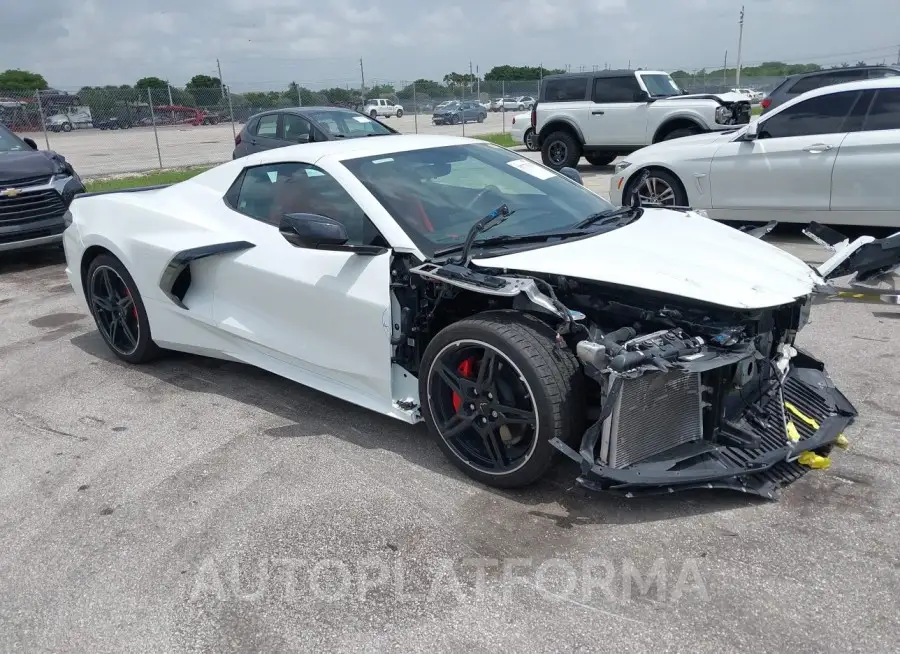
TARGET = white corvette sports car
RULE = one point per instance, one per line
(453, 281)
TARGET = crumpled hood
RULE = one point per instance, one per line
(680, 254)
(730, 96)
(29, 163)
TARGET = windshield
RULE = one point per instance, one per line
(437, 194)
(9, 142)
(660, 85)
(348, 125)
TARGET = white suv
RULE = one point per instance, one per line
(607, 114)
(382, 107)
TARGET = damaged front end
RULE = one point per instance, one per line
(738, 410)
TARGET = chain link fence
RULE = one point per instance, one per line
(117, 130)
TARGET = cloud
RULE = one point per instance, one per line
(269, 43)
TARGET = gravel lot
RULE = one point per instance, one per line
(96, 152)
(196, 505)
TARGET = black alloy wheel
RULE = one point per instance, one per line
(495, 391)
(118, 310)
(483, 407)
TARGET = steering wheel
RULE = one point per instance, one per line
(480, 195)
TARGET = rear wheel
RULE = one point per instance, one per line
(560, 150)
(399, 113)
(118, 310)
(454, 119)
(495, 391)
(530, 141)
(600, 159)
(373, 114)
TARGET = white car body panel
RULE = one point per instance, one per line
(677, 253)
(521, 123)
(840, 178)
(325, 318)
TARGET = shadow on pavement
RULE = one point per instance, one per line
(311, 413)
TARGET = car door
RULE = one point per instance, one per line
(267, 134)
(295, 129)
(865, 188)
(323, 317)
(785, 173)
(615, 117)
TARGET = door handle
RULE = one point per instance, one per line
(818, 148)
(597, 113)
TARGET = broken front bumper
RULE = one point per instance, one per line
(796, 428)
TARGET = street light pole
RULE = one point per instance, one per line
(737, 80)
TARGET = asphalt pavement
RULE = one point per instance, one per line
(197, 505)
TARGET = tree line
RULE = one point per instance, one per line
(210, 93)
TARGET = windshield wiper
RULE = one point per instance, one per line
(608, 215)
(490, 221)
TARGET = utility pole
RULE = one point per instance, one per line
(898, 56)
(362, 77)
(737, 76)
(478, 82)
(221, 83)
(725, 70)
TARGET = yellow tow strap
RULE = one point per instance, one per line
(810, 459)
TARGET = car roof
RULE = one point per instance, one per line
(831, 71)
(603, 73)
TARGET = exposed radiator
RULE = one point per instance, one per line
(652, 414)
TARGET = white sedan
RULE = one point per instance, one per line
(453, 281)
(522, 131)
(831, 155)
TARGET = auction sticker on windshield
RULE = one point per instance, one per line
(532, 169)
(362, 119)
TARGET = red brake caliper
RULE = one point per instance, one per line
(465, 369)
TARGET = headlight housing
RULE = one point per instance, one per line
(723, 115)
(622, 165)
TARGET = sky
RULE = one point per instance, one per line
(266, 44)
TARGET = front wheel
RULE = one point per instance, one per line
(681, 132)
(373, 114)
(481, 117)
(454, 120)
(118, 310)
(399, 113)
(560, 150)
(660, 187)
(495, 390)
(67, 127)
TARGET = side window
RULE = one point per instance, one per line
(296, 129)
(269, 191)
(885, 111)
(824, 114)
(268, 126)
(564, 90)
(615, 89)
(805, 84)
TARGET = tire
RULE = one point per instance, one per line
(681, 132)
(454, 119)
(67, 127)
(373, 114)
(560, 150)
(399, 113)
(600, 159)
(679, 196)
(482, 117)
(143, 349)
(549, 382)
(530, 143)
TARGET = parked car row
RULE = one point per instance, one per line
(520, 103)
(831, 155)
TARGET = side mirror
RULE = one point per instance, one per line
(30, 143)
(572, 174)
(308, 230)
(641, 96)
(752, 132)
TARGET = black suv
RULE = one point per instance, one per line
(36, 188)
(794, 85)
